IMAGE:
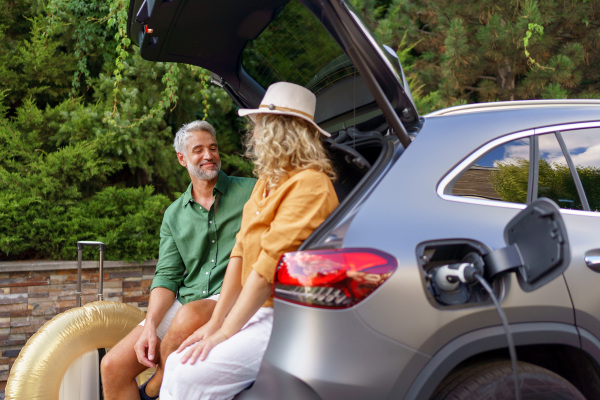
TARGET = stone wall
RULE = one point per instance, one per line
(31, 293)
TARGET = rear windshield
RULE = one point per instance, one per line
(296, 48)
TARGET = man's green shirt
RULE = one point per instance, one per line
(195, 242)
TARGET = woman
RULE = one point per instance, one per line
(292, 197)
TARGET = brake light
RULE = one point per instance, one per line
(337, 278)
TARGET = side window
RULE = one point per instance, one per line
(555, 179)
(501, 174)
(584, 150)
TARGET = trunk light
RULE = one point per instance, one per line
(337, 278)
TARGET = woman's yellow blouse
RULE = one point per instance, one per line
(280, 222)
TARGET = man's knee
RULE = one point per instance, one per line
(192, 316)
(110, 365)
(189, 318)
(117, 362)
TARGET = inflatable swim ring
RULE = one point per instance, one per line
(39, 369)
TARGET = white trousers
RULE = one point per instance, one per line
(229, 368)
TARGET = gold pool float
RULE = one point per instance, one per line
(41, 365)
(39, 370)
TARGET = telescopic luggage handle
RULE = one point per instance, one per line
(80, 245)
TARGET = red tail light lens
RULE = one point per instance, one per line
(338, 278)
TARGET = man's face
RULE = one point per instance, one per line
(202, 159)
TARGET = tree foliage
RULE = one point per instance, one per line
(86, 125)
(86, 130)
(555, 181)
(488, 50)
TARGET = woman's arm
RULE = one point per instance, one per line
(232, 286)
(255, 292)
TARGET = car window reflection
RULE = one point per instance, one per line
(500, 174)
(555, 179)
(584, 149)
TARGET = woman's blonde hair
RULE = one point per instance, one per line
(279, 144)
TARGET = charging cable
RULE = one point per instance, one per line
(448, 277)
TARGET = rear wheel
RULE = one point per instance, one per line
(494, 380)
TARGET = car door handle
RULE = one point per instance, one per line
(592, 259)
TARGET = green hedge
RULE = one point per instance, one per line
(51, 197)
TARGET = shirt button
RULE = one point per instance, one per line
(204, 292)
(211, 261)
(210, 222)
(212, 241)
(207, 273)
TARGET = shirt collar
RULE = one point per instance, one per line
(222, 182)
(221, 187)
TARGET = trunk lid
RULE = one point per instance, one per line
(247, 45)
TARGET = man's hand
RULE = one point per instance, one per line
(145, 347)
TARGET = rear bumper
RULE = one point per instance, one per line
(327, 355)
(273, 383)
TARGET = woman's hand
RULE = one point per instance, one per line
(199, 334)
(252, 296)
(203, 347)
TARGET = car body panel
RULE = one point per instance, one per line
(310, 335)
(584, 282)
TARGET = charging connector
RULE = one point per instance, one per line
(448, 277)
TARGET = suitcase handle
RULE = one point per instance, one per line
(80, 245)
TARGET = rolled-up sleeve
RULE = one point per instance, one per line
(238, 249)
(170, 268)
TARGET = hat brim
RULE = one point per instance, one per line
(251, 113)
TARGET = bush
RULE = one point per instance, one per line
(43, 210)
(86, 131)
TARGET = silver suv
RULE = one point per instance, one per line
(393, 296)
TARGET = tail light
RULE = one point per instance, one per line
(337, 278)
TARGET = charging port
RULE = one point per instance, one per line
(443, 262)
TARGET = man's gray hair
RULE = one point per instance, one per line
(184, 133)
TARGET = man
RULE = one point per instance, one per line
(196, 237)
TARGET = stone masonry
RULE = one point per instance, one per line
(32, 293)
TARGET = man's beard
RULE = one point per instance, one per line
(199, 173)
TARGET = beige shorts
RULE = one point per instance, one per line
(163, 327)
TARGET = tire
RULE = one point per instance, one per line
(39, 369)
(494, 381)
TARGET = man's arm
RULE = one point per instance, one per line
(146, 346)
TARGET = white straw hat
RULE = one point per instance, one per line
(287, 98)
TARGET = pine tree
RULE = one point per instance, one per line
(487, 50)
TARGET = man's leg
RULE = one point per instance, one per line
(119, 368)
(189, 318)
